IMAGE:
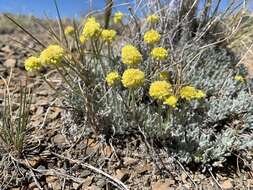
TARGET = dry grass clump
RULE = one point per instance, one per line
(241, 42)
(14, 122)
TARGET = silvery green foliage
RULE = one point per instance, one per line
(205, 131)
(211, 130)
(201, 131)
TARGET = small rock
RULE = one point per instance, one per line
(42, 93)
(143, 168)
(93, 187)
(41, 167)
(76, 185)
(55, 185)
(187, 186)
(31, 45)
(10, 63)
(59, 139)
(6, 49)
(42, 102)
(51, 179)
(201, 176)
(85, 173)
(250, 182)
(55, 113)
(2, 55)
(227, 185)
(163, 185)
(32, 185)
(108, 151)
(39, 111)
(128, 161)
(122, 174)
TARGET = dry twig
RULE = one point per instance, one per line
(114, 181)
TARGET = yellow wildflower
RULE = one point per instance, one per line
(160, 90)
(133, 78)
(164, 75)
(239, 78)
(91, 28)
(69, 30)
(52, 55)
(153, 18)
(130, 55)
(200, 94)
(112, 78)
(159, 53)
(152, 37)
(32, 63)
(82, 39)
(171, 101)
(118, 17)
(189, 92)
(108, 35)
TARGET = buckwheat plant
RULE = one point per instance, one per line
(166, 72)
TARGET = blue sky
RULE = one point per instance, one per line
(68, 8)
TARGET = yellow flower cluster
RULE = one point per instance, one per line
(153, 19)
(118, 17)
(159, 53)
(133, 78)
(52, 55)
(171, 101)
(69, 30)
(152, 37)
(82, 39)
(32, 63)
(189, 93)
(91, 28)
(108, 35)
(239, 78)
(160, 90)
(130, 55)
(112, 78)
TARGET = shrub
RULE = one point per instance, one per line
(198, 110)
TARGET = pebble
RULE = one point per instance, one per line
(122, 174)
(163, 185)
(85, 173)
(10, 63)
(226, 185)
